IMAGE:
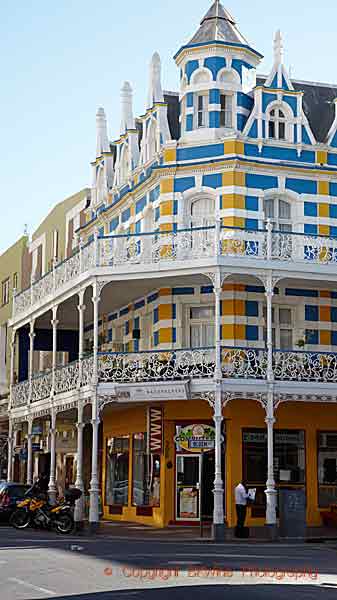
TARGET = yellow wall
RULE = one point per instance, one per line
(56, 220)
(238, 415)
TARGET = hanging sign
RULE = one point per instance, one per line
(196, 438)
(155, 430)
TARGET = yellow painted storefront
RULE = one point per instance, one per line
(238, 416)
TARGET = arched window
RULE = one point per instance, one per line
(277, 124)
(202, 212)
(279, 213)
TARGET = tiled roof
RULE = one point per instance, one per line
(218, 24)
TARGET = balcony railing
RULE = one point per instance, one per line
(67, 378)
(184, 364)
(178, 246)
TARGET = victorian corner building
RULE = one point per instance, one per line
(176, 325)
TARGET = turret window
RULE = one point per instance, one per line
(277, 124)
(202, 110)
(226, 113)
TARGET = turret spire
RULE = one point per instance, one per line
(127, 121)
(218, 25)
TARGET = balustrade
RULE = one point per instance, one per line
(181, 364)
(181, 245)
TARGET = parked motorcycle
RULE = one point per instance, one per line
(35, 511)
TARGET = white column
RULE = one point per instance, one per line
(81, 310)
(94, 483)
(269, 296)
(12, 367)
(79, 506)
(95, 300)
(30, 453)
(10, 460)
(31, 358)
(54, 323)
(218, 513)
(52, 489)
(271, 492)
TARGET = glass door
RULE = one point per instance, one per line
(188, 478)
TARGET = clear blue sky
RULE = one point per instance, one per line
(60, 60)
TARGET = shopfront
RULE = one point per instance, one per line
(172, 482)
(194, 472)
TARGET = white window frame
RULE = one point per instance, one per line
(279, 223)
(227, 112)
(288, 121)
(189, 323)
(204, 112)
(277, 326)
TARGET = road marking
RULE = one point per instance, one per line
(184, 562)
(31, 586)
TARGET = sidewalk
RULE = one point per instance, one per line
(193, 534)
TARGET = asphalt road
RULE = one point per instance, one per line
(37, 565)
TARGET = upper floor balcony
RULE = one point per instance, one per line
(179, 252)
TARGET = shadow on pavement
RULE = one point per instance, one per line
(215, 592)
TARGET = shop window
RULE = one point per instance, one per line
(289, 461)
(117, 471)
(327, 468)
(145, 473)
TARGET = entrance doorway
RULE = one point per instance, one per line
(194, 486)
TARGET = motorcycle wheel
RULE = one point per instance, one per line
(65, 524)
(20, 519)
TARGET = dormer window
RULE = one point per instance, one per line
(226, 113)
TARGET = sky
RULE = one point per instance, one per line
(61, 60)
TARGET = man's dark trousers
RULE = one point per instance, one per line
(241, 512)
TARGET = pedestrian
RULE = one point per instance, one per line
(241, 498)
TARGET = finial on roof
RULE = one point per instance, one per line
(278, 48)
(102, 142)
(127, 121)
(155, 88)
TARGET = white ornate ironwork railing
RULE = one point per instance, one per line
(66, 378)
(181, 245)
(320, 367)
(20, 394)
(188, 363)
(244, 363)
(161, 365)
(42, 386)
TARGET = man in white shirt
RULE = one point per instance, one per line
(241, 497)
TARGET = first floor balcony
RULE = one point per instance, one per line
(193, 365)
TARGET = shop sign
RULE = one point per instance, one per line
(155, 430)
(37, 429)
(196, 438)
